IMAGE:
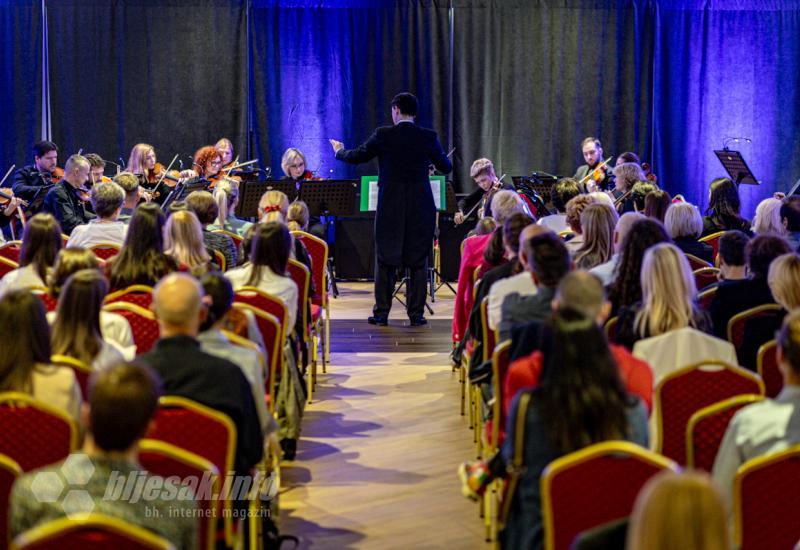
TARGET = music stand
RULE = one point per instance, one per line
(449, 207)
(250, 194)
(737, 168)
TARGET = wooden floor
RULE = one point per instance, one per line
(376, 465)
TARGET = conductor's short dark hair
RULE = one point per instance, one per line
(41, 148)
(407, 103)
(790, 211)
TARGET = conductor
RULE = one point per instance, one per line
(406, 216)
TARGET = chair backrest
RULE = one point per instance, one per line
(82, 371)
(302, 278)
(237, 239)
(707, 427)
(705, 297)
(219, 259)
(737, 323)
(593, 486)
(33, 433)
(143, 324)
(141, 295)
(501, 360)
(200, 430)
(705, 276)
(768, 368)
(611, 329)
(489, 336)
(166, 460)
(11, 250)
(50, 303)
(684, 392)
(272, 333)
(9, 471)
(766, 497)
(713, 241)
(266, 302)
(318, 250)
(104, 251)
(697, 263)
(89, 531)
(7, 266)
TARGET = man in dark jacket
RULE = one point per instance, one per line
(406, 215)
(33, 180)
(64, 200)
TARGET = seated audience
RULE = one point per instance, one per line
(606, 271)
(732, 263)
(626, 289)
(575, 208)
(723, 209)
(133, 194)
(120, 409)
(76, 329)
(183, 241)
(683, 511)
(485, 226)
(598, 222)
(768, 426)
(790, 219)
(733, 297)
(142, 260)
(656, 203)
(226, 195)
(297, 216)
(107, 199)
(560, 194)
(768, 218)
(639, 192)
(189, 372)
(203, 205)
(668, 298)
(274, 207)
(548, 262)
(580, 400)
(41, 241)
(684, 224)
(25, 356)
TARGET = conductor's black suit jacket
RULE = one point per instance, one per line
(406, 215)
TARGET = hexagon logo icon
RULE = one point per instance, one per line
(77, 469)
(78, 501)
(47, 486)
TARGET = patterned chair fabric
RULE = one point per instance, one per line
(768, 368)
(90, 532)
(7, 266)
(265, 302)
(713, 241)
(143, 324)
(140, 295)
(104, 251)
(737, 323)
(272, 334)
(82, 371)
(11, 250)
(705, 276)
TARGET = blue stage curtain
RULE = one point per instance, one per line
(727, 68)
(21, 69)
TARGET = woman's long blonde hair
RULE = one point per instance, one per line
(273, 207)
(226, 195)
(668, 291)
(598, 222)
(183, 240)
(136, 162)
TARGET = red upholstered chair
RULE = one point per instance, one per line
(737, 322)
(495, 430)
(301, 276)
(593, 486)
(713, 241)
(697, 263)
(489, 335)
(272, 333)
(166, 460)
(34, 434)
(6, 266)
(9, 471)
(768, 368)
(219, 259)
(104, 251)
(90, 532)
(705, 276)
(705, 297)
(200, 430)
(611, 329)
(50, 303)
(141, 295)
(82, 371)
(237, 239)
(273, 305)
(320, 302)
(11, 250)
(143, 324)
(682, 393)
(707, 427)
(766, 497)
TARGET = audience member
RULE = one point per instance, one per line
(41, 241)
(183, 241)
(598, 222)
(273, 206)
(685, 224)
(732, 262)
(790, 219)
(203, 205)
(560, 194)
(133, 193)
(606, 271)
(639, 191)
(575, 208)
(297, 216)
(656, 204)
(25, 355)
(768, 218)
(120, 409)
(723, 209)
(107, 199)
(226, 195)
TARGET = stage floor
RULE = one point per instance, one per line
(376, 464)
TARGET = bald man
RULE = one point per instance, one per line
(188, 372)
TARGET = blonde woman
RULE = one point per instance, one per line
(685, 224)
(598, 222)
(768, 218)
(668, 298)
(683, 511)
(293, 164)
(625, 176)
(273, 207)
(183, 240)
(297, 216)
(226, 195)
(225, 149)
(575, 208)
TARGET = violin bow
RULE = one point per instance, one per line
(494, 188)
(166, 170)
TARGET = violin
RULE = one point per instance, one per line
(53, 177)
(7, 196)
(648, 173)
(170, 178)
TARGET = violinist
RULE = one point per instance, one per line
(96, 168)
(66, 200)
(293, 164)
(593, 155)
(225, 148)
(142, 162)
(625, 176)
(482, 171)
(208, 163)
(31, 180)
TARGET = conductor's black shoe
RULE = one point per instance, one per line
(379, 320)
(417, 321)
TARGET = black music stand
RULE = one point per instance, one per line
(250, 194)
(450, 204)
(737, 168)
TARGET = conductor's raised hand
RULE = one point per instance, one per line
(337, 145)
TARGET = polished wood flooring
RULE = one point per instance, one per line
(376, 465)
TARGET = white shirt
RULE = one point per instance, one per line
(521, 283)
(98, 232)
(606, 271)
(115, 330)
(22, 277)
(555, 222)
(271, 283)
